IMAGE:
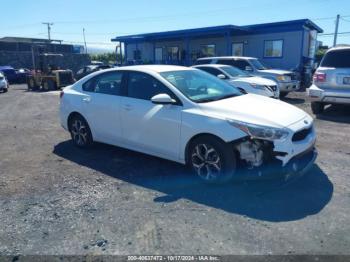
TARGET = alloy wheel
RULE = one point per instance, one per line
(206, 162)
(79, 132)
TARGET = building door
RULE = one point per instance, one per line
(158, 57)
(237, 49)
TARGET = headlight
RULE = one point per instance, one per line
(261, 132)
(257, 86)
(283, 78)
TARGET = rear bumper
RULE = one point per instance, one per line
(289, 86)
(328, 95)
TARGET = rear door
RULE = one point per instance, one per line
(101, 105)
(147, 127)
(336, 67)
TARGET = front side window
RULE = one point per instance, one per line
(107, 83)
(143, 86)
(212, 71)
(237, 49)
(199, 86)
(208, 50)
(273, 48)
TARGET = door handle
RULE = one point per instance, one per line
(127, 107)
(86, 99)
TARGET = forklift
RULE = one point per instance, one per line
(49, 76)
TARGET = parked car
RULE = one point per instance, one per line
(287, 80)
(86, 70)
(21, 75)
(3, 83)
(9, 72)
(242, 80)
(191, 117)
(331, 81)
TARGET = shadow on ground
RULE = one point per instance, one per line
(293, 101)
(336, 113)
(269, 200)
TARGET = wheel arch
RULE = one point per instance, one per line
(72, 115)
(190, 141)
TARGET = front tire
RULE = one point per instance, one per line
(212, 159)
(80, 132)
(317, 108)
(283, 94)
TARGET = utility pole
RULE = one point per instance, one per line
(48, 29)
(85, 41)
(336, 30)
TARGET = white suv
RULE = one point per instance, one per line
(331, 81)
(191, 117)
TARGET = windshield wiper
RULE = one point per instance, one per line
(204, 100)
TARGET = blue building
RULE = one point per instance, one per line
(286, 45)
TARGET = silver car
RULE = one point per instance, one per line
(331, 81)
(3, 83)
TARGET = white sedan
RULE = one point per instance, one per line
(3, 83)
(188, 116)
(242, 80)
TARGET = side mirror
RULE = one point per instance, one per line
(221, 76)
(162, 99)
(248, 68)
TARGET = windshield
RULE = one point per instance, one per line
(234, 71)
(258, 65)
(200, 86)
(338, 58)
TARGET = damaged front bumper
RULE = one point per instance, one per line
(288, 158)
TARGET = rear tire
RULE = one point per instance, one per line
(5, 90)
(48, 85)
(80, 132)
(212, 159)
(317, 108)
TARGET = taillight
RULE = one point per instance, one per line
(319, 77)
(61, 94)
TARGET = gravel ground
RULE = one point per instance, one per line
(57, 199)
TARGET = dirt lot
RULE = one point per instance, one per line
(57, 199)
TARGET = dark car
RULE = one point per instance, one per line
(21, 75)
(10, 73)
(86, 70)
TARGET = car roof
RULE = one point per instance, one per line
(340, 47)
(227, 57)
(151, 68)
(212, 65)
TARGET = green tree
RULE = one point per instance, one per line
(107, 58)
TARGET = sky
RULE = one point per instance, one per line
(106, 19)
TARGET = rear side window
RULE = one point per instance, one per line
(109, 83)
(338, 58)
(241, 64)
(143, 86)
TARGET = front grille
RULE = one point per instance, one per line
(302, 134)
(66, 78)
(273, 88)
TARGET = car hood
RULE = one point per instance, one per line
(255, 80)
(275, 71)
(254, 109)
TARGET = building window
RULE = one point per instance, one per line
(237, 49)
(273, 48)
(208, 50)
(158, 54)
(173, 53)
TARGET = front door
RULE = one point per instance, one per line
(147, 127)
